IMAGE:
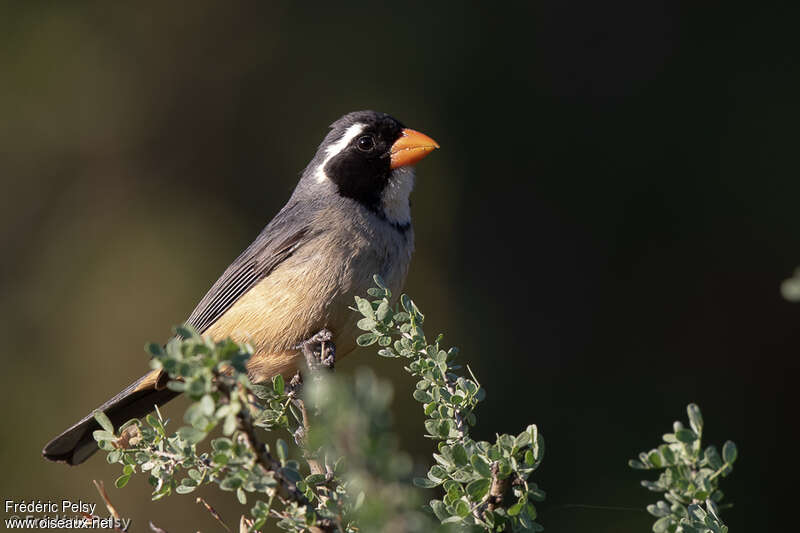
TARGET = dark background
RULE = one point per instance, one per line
(603, 232)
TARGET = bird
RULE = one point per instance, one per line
(347, 219)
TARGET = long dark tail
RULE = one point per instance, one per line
(76, 444)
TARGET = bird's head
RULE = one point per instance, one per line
(368, 157)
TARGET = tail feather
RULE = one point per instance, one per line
(76, 444)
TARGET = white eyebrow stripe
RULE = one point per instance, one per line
(338, 146)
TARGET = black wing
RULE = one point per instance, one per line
(276, 243)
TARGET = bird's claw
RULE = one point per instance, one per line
(300, 436)
(319, 351)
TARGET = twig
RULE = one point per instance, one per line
(498, 488)
(102, 490)
(313, 464)
(157, 529)
(244, 524)
(456, 411)
(213, 512)
(244, 422)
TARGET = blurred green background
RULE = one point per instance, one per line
(603, 232)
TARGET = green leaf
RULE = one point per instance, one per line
(122, 481)
(383, 311)
(713, 458)
(477, 489)
(366, 324)
(515, 509)
(405, 301)
(523, 439)
(638, 465)
(685, 435)
(480, 466)
(241, 496)
(367, 339)
(154, 349)
(438, 508)
(365, 307)
(729, 452)
(191, 435)
(462, 508)
(196, 388)
(282, 450)
(384, 341)
(657, 510)
(695, 418)
(425, 483)
(422, 396)
(431, 426)
(221, 459)
(229, 426)
(221, 444)
(104, 421)
(186, 331)
(376, 292)
(278, 384)
(530, 460)
(662, 525)
(460, 455)
(207, 405)
(401, 317)
(291, 474)
(103, 435)
(230, 483)
(667, 453)
(177, 386)
(315, 479)
(189, 482)
(654, 458)
(437, 473)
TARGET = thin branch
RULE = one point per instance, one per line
(300, 436)
(448, 382)
(213, 512)
(102, 490)
(157, 529)
(498, 488)
(244, 422)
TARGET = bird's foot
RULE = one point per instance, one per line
(300, 436)
(319, 351)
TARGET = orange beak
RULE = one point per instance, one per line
(410, 148)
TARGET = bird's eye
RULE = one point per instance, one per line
(365, 143)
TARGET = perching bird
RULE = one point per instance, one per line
(348, 218)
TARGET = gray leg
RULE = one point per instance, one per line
(319, 351)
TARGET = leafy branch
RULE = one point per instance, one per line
(214, 377)
(689, 477)
(486, 484)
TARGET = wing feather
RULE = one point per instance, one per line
(276, 243)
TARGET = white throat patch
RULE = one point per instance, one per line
(394, 199)
(337, 147)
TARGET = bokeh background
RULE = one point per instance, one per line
(603, 232)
